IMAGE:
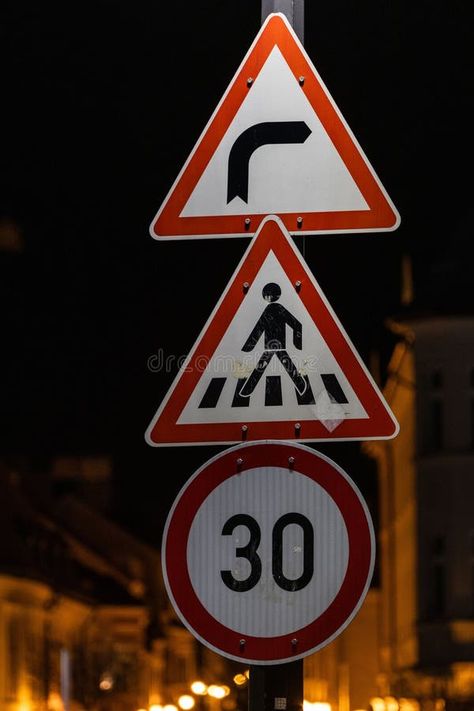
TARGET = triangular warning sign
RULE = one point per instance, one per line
(272, 362)
(276, 144)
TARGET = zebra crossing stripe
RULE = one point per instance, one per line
(307, 398)
(213, 392)
(273, 392)
(335, 392)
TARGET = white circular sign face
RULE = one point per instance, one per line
(266, 495)
(268, 552)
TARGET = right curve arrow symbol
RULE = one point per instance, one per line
(249, 141)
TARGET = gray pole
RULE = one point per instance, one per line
(276, 687)
(293, 9)
(280, 686)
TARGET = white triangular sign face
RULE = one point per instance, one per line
(312, 359)
(276, 144)
(272, 362)
(277, 171)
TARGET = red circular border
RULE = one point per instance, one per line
(359, 569)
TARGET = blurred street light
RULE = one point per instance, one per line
(186, 702)
(377, 703)
(240, 679)
(199, 688)
(106, 682)
(218, 692)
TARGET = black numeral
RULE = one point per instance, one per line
(249, 552)
(277, 552)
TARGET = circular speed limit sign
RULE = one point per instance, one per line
(268, 552)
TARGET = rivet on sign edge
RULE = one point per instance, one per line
(239, 463)
(297, 428)
(297, 285)
(299, 222)
(249, 81)
(301, 80)
(291, 462)
(247, 222)
(245, 286)
(294, 642)
(244, 431)
(242, 642)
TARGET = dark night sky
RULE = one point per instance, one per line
(103, 102)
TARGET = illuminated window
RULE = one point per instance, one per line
(34, 663)
(65, 675)
(13, 660)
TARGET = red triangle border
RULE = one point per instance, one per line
(381, 216)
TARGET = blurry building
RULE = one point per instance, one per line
(342, 676)
(84, 618)
(426, 544)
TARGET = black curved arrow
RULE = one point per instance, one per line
(252, 138)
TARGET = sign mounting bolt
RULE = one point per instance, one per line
(291, 462)
(239, 463)
(301, 80)
(244, 431)
(242, 643)
(297, 429)
(245, 286)
(297, 285)
(294, 642)
(299, 222)
(249, 82)
(247, 222)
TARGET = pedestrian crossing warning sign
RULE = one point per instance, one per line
(272, 362)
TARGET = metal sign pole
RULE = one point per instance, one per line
(279, 687)
(276, 687)
(293, 9)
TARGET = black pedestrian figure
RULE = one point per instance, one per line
(272, 323)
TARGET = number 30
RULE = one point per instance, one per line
(249, 552)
